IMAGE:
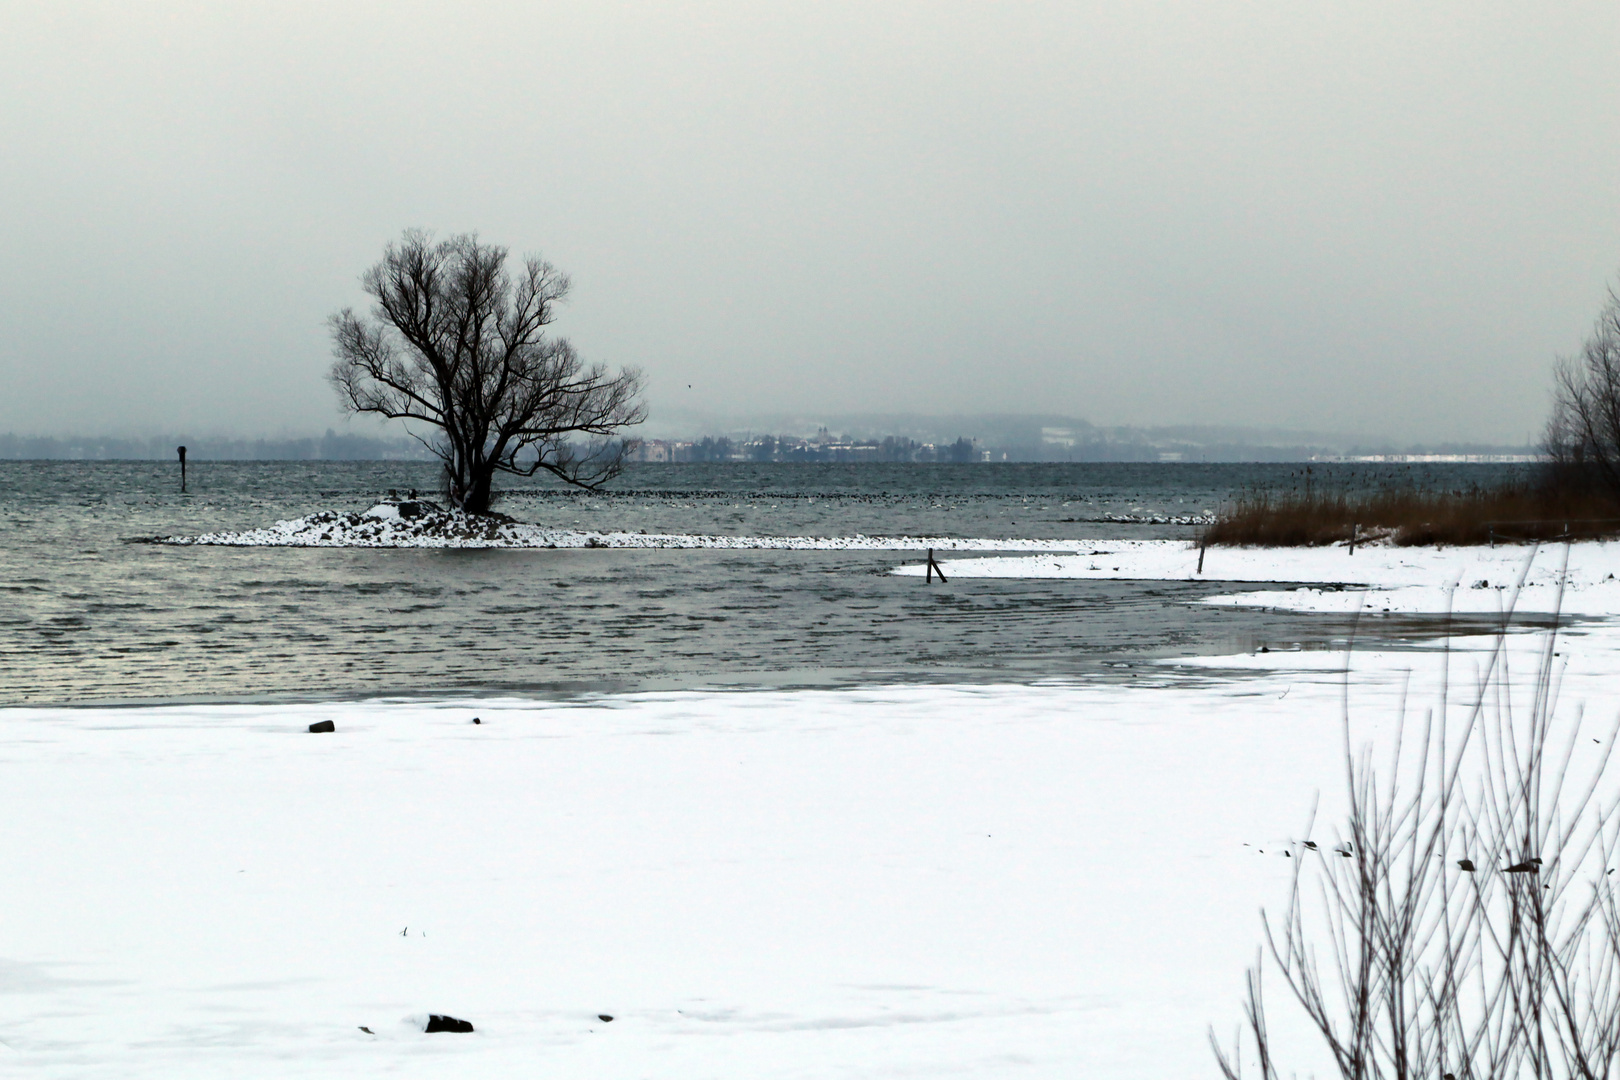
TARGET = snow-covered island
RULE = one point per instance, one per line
(424, 525)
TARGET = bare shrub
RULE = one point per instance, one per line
(1463, 924)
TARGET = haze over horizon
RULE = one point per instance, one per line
(1363, 218)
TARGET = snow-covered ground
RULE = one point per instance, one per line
(382, 526)
(1051, 880)
(981, 881)
(1374, 578)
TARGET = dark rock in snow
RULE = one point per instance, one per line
(477, 721)
(324, 725)
(446, 1023)
(605, 1018)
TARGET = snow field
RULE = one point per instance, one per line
(1048, 880)
(973, 881)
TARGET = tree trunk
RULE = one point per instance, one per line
(479, 491)
(469, 479)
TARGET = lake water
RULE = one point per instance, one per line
(87, 616)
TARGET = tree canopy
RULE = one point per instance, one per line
(457, 342)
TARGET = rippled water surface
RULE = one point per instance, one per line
(87, 616)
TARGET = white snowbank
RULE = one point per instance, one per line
(449, 529)
(1047, 881)
(1412, 579)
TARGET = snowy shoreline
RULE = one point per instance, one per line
(1056, 879)
(1331, 579)
(1475, 580)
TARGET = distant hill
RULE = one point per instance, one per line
(784, 437)
(1014, 437)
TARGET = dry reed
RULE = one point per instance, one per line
(1409, 516)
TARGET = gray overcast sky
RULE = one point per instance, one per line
(1385, 218)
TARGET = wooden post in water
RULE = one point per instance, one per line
(1353, 527)
(182, 451)
(933, 568)
(1203, 544)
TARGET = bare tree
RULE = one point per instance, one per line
(458, 343)
(1583, 435)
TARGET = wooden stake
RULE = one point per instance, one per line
(182, 451)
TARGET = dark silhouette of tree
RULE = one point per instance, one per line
(1583, 436)
(457, 342)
